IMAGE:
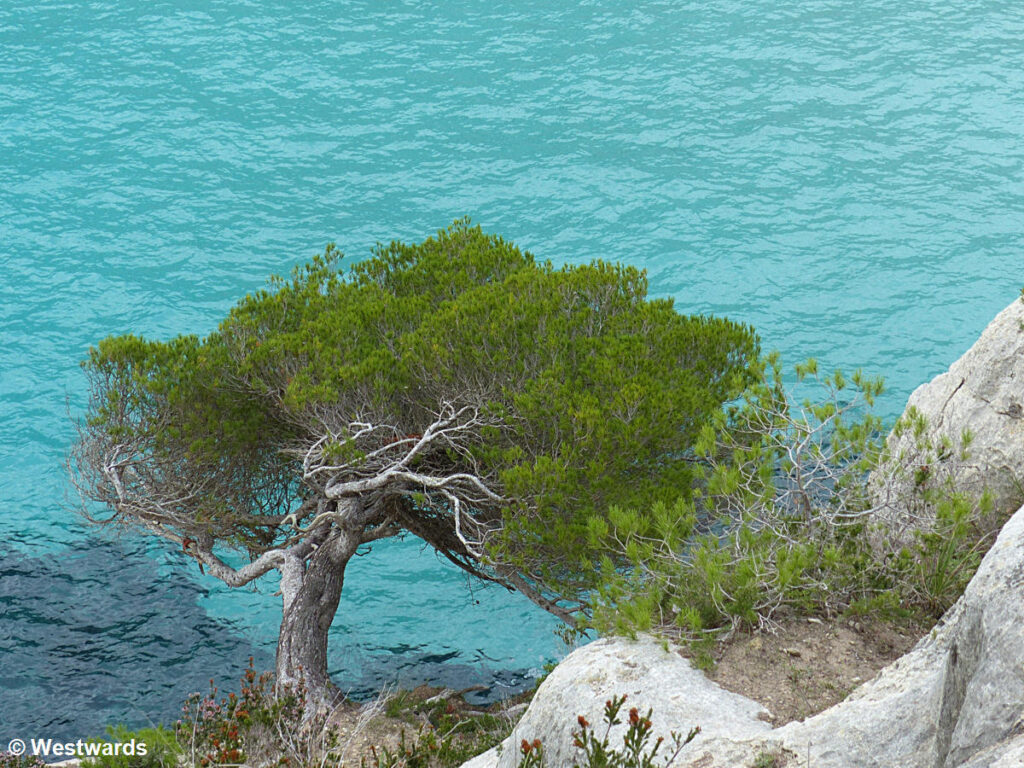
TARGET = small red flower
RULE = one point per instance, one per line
(582, 721)
(525, 747)
(634, 716)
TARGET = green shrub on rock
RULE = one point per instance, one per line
(783, 519)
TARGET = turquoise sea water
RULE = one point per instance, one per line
(845, 176)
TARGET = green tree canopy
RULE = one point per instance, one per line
(455, 389)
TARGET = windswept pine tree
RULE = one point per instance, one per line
(455, 390)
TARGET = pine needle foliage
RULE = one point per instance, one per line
(562, 393)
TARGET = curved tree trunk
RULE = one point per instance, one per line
(311, 595)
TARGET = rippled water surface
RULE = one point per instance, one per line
(845, 176)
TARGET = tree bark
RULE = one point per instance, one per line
(311, 594)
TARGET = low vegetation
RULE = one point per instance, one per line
(782, 521)
(161, 749)
(11, 760)
(261, 726)
(636, 750)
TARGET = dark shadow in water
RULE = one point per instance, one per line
(93, 635)
(76, 655)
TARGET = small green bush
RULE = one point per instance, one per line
(594, 752)
(781, 521)
(161, 749)
(253, 726)
(766, 760)
(447, 738)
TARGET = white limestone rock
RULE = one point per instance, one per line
(488, 759)
(982, 392)
(650, 677)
